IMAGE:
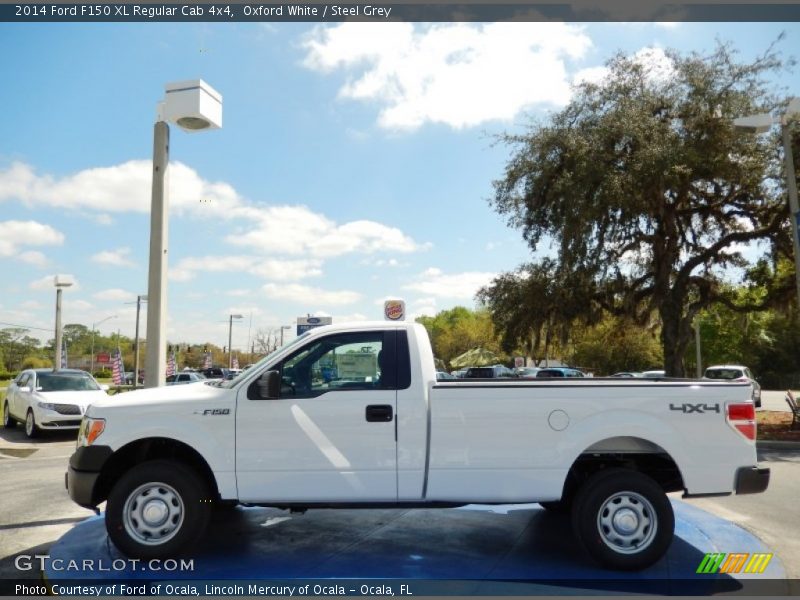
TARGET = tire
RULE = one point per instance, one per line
(31, 429)
(623, 519)
(8, 420)
(179, 504)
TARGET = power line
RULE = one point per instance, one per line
(24, 326)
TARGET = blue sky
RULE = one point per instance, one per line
(354, 164)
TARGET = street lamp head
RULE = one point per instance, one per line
(759, 123)
(237, 317)
(192, 105)
(62, 281)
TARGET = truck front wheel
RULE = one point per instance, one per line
(623, 519)
(157, 509)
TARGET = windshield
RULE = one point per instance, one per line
(66, 382)
(723, 373)
(232, 382)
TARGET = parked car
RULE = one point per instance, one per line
(493, 372)
(736, 373)
(128, 377)
(559, 372)
(49, 399)
(655, 374)
(628, 374)
(527, 372)
(440, 375)
(213, 373)
(185, 377)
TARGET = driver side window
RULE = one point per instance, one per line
(346, 361)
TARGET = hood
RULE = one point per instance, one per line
(78, 397)
(163, 395)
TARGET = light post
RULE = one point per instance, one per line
(230, 334)
(282, 328)
(61, 282)
(139, 300)
(193, 106)
(93, 326)
(761, 123)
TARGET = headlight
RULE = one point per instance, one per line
(90, 430)
(46, 405)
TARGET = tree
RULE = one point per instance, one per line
(459, 329)
(648, 196)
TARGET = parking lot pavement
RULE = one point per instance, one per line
(774, 400)
(35, 509)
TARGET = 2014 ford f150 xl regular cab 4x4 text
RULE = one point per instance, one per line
(353, 416)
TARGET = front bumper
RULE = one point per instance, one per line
(751, 480)
(85, 466)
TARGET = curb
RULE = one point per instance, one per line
(777, 445)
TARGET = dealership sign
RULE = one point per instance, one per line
(103, 357)
(306, 323)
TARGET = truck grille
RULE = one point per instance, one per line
(67, 409)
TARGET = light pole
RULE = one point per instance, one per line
(230, 334)
(61, 282)
(761, 123)
(139, 300)
(193, 106)
(93, 326)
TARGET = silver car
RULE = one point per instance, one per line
(49, 399)
(735, 373)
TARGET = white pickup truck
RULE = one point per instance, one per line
(292, 432)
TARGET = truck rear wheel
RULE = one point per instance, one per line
(157, 509)
(623, 519)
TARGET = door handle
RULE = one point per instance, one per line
(380, 413)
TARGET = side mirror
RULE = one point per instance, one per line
(104, 387)
(269, 385)
(25, 389)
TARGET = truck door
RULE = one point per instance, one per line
(331, 435)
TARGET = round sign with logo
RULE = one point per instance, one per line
(394, 310)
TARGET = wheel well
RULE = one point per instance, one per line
(150, 449)
(658, 465)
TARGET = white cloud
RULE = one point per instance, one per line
(457, 285)
(658, 65)
(266, 268)
(116, 258)
(457, 74)
(32, 257)
(119, 188)
(304, 295)
(47, 283)
(115, 294)
(126, 188)
(14, 234)
(299, 230)
(31, 305)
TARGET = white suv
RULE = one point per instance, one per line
(735, 373)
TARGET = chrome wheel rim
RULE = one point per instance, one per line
(627, 522)
(29, 424)
(153, 513)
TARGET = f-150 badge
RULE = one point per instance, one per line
(695, 408)
(213, 411)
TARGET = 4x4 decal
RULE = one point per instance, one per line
(687, 408)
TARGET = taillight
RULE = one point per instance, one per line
(742, 417)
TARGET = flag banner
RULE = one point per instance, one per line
(207, 361)
(235, 363)
(64, 354)
(117, 370)
(171, 365)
